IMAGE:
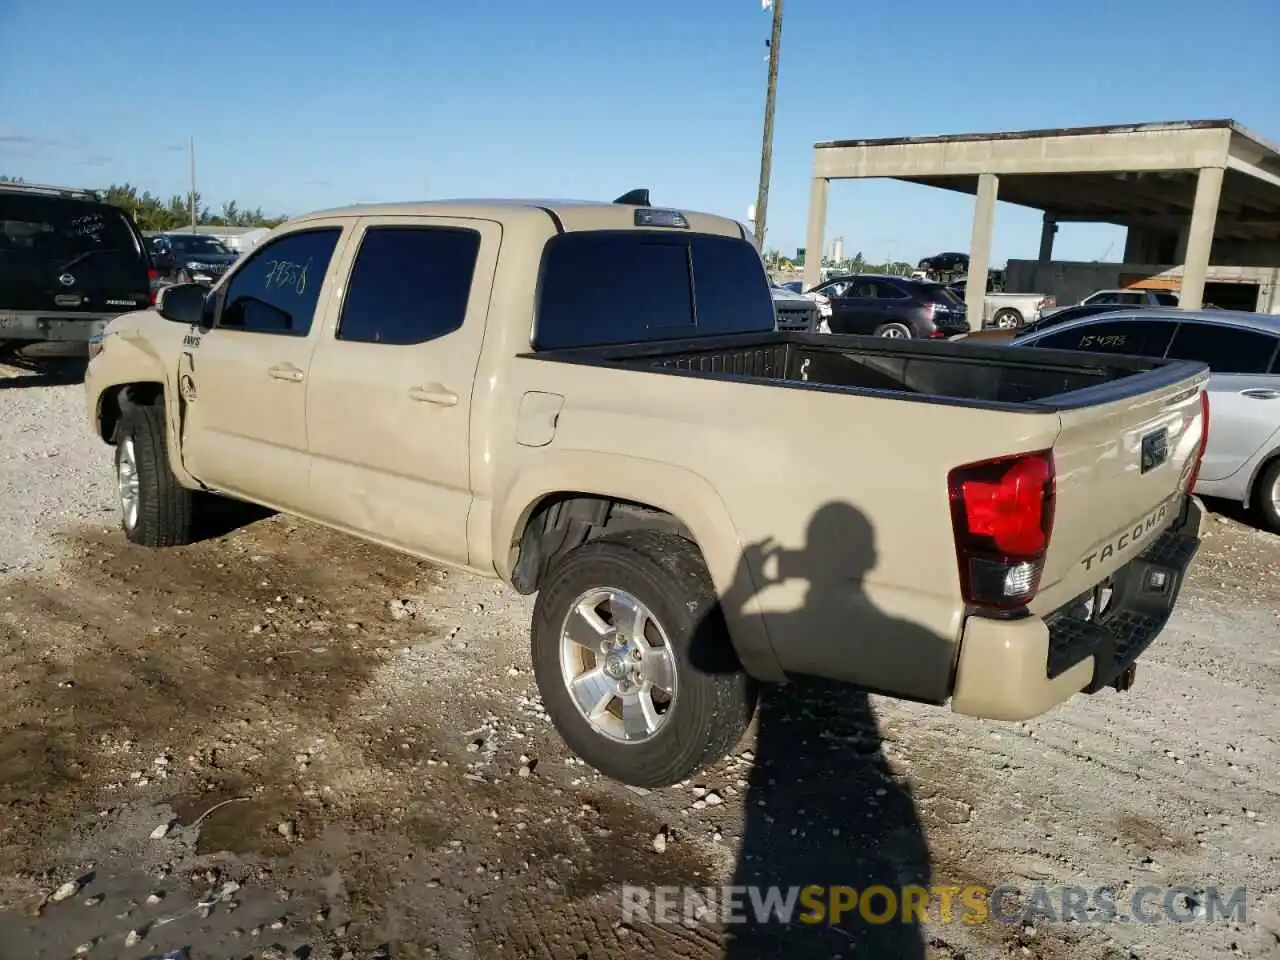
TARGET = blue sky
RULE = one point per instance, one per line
(296, 106)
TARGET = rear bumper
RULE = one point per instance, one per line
(35, 326)
(1018, 669)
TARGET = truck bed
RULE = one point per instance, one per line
(963, 371)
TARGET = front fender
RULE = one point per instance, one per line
(676, 490)
(136, 350)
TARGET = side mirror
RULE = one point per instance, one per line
(182, 303)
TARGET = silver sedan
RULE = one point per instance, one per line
(1242, 459)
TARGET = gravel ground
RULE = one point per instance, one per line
(234, 750)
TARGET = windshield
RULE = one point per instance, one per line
(58, 231)
(198, 245)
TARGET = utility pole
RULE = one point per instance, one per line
(766, 149)
(192, 198)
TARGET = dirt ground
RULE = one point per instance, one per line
(280, 742)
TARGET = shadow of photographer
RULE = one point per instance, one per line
(822, 808)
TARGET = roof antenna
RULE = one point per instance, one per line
(635, 198)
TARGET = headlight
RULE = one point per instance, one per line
(198, 266)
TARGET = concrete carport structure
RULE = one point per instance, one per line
(1190, 192)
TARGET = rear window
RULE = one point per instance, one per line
(55, 230)
(1166, 299)
(609, 287)
(940, 293)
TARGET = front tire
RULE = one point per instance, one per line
(155, 509)
(613, 627)
(1266, 495)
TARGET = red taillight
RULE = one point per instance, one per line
(152, 276)
(937, 335)
(1048, 302)
(1002, 517)
(1204, 442)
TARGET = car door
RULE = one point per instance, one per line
(837, 291)
(389, 405)
(862, 308)
(244, 381)
(1244, 397)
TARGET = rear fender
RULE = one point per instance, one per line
(683, 494)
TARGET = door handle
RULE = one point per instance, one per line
(434, 393)
(1261, 393)
(287, 372)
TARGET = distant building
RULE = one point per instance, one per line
(837, 250)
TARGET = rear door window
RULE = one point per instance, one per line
(1144, 338)
(409, 284)
(1224, 349)
(608, 287)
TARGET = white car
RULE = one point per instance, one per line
(1242, 459)
(824, 302)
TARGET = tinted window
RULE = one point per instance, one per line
(940, 293)
(1145, 338)
(276, 290)
(890, 291)
(409, 284)
(1224, 349)
(190, 244)
(56, 231)
(1166, 299)
(580, 303)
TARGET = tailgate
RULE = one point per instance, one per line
(1122, 470)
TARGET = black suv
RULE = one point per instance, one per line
(190, 257)
(69, 263)
(894, 307)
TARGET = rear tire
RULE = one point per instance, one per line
(1007, 320)
(705, 713)
(1266, 495)
(894, 331)
(155, 509)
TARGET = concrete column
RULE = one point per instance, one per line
(984, 217)
(1048, 230)
(817, 227)
(1204, 217)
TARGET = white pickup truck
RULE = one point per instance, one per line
(1009, 311)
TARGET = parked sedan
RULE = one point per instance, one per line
(1242, 459)
(895, 307)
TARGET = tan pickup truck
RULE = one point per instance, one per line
(591, 402)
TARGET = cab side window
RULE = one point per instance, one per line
(409, 284)
(1143, 338)
(277, 289)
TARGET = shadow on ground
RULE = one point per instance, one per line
(823, 810)
(34, 373)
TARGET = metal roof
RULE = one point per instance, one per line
(1163, 126)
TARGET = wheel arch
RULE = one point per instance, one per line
(113, 399)
(550, 509)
